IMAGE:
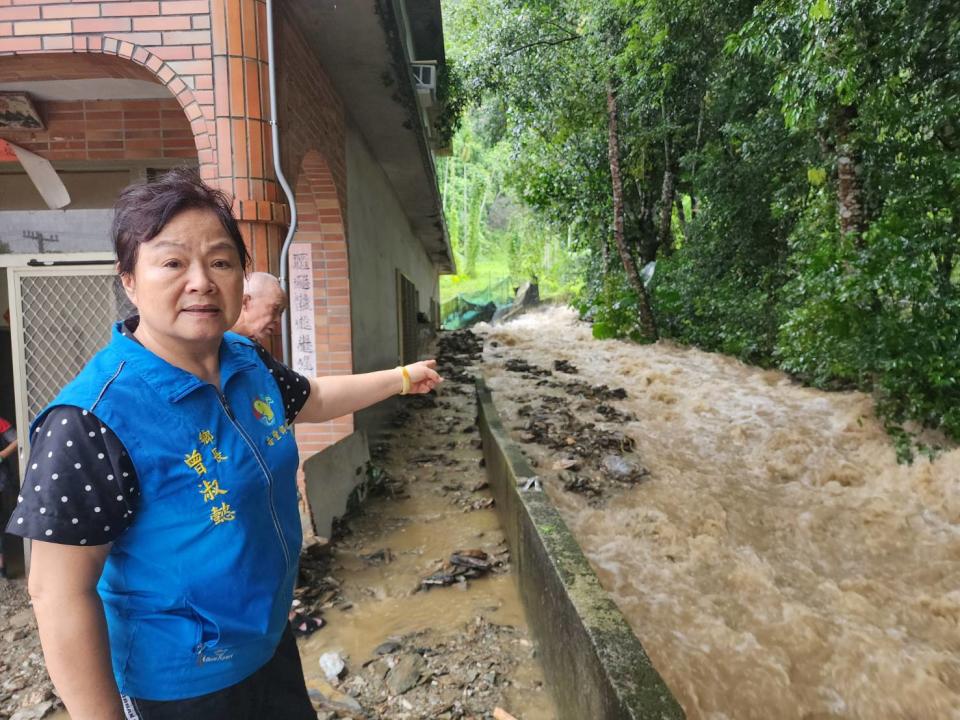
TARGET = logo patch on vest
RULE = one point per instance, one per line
(218, 655)
(262, 410)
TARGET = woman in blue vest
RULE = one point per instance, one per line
(160, 491)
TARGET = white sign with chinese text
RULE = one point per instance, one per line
(304, 351)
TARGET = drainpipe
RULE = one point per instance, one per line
(281, 178)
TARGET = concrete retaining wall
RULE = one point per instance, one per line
(331, 476)
(594, 664)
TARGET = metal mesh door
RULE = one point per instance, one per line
(60, 317)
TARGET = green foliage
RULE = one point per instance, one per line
(774, 123)
(610, 303)
(495, 238)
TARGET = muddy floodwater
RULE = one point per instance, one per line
(776, 562)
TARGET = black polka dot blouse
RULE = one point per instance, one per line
(80, 487)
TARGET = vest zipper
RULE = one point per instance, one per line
(263, 466)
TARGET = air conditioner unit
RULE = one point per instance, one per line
(425, 74)
(425, 79)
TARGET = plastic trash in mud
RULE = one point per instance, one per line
(332, 665)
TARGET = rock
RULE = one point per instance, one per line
(11, 636)
(387, 647)
(580, 484)
(378, 669)
(33, 712)
(332, 665)
(331, 699)
(405, 673)
(24, 618)
(378, 557)
(620, 469)
(518, 365)
(528, 296)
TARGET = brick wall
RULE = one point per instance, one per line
(320, 223)
(312, 116)
(174, 31)
(109, 130)
(313, 137)
(211, 56)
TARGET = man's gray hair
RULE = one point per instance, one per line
(258, 283)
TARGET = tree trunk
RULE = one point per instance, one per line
(849, 190)
(647, 322)
(665, 232)
(694, 203)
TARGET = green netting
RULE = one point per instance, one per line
(468, 308)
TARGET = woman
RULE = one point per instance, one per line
(161, 489)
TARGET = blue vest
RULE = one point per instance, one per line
(197, 590)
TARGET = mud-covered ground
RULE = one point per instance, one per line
(427, 618)
(26, 692)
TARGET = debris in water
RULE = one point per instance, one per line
(611, 414)
(522, 366)
(530, 484)
(565, 366)
(566, 463)
(463, 565)
(304, 625)
(580, 484)
(622, 470)
(382, 556)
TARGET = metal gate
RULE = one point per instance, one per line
(60, 316)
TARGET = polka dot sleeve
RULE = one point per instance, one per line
(294, 387)
(80, 487)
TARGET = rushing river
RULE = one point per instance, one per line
(778, 563)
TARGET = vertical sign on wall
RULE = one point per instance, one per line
(304, 351)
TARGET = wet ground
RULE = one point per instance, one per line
(26, 692)
(462, 648)
(759, 536)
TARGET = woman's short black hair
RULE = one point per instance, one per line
(142, 211)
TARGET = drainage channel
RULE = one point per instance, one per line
(581, 632)
(419, 595)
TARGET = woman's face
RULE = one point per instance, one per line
(187, 283)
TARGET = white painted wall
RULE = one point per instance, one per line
(379, 241)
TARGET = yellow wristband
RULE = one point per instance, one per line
(406, 382)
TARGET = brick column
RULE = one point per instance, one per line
(244, 166)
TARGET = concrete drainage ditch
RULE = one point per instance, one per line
(594, 665)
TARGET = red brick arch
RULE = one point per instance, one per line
(88, 59)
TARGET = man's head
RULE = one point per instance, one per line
(263, 304)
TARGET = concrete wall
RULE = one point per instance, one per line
(595, 666)
(379, 241)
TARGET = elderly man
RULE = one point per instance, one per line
(263, 304)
